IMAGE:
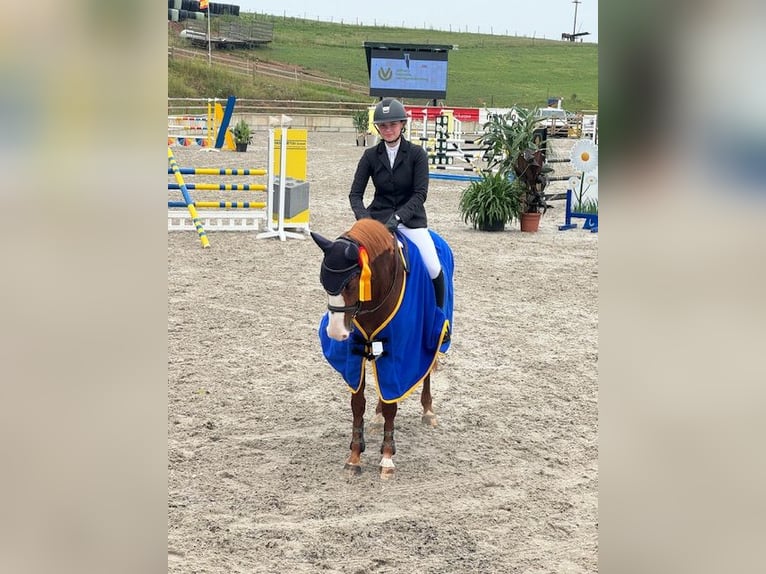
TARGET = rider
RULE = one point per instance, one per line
(399, 172)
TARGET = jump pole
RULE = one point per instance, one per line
(187, 198)
(225, 205)
(221, 204)
(453, 176)
(219, 171)
(222, 186)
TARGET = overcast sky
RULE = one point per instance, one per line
(532, 18)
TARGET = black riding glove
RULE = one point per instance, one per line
(393, 223)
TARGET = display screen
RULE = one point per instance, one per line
(408, 73)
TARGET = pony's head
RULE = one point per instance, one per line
(346, 272)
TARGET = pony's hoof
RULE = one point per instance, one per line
(387, 468)
(352, 469)
(387, 473)
(429, 419)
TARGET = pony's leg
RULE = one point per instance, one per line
(428, 417)
(358, 403)
(388, 448)
(377, 421)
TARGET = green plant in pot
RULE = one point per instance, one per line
(361, 125)
(242, 135)
(512, 144)
(491, 202)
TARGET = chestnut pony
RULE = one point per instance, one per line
(382, 317)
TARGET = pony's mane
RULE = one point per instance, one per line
(373, 235)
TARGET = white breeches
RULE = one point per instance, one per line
(422, 239)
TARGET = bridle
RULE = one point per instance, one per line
(356, 308)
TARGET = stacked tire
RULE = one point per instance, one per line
(179, 10)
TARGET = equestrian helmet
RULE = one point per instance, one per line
(389, 110)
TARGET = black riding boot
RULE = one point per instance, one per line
(439, 288)
(438, 282)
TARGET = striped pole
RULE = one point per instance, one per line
(221, 204)
(454, 176)
(217, 171)
(454, 168)
(222, 186)
(187, 198)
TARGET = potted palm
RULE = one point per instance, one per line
(491, 202)
(513, 147)
(361, 125)
(242, 135)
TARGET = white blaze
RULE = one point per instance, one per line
(336, 327)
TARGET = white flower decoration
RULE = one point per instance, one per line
(584, 155)
(591, 180)
(574, 183)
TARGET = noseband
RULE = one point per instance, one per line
(346, 308)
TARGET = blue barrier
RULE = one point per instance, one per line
(591, 219)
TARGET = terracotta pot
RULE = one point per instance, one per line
(530, 222)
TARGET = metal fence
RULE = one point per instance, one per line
(255, 68)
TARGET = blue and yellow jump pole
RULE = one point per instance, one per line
(221, 204)
(223, 130)
(222, 186)
(217, 171)
(187, 198)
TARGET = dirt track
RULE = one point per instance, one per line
(259, 424)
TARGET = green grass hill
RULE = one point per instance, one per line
(484, 70)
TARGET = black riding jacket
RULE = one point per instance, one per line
(401, 190)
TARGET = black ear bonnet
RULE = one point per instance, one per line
(340, 264)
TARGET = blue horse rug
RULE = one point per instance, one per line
(403, 351)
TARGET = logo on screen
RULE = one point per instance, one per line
(384, 74)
